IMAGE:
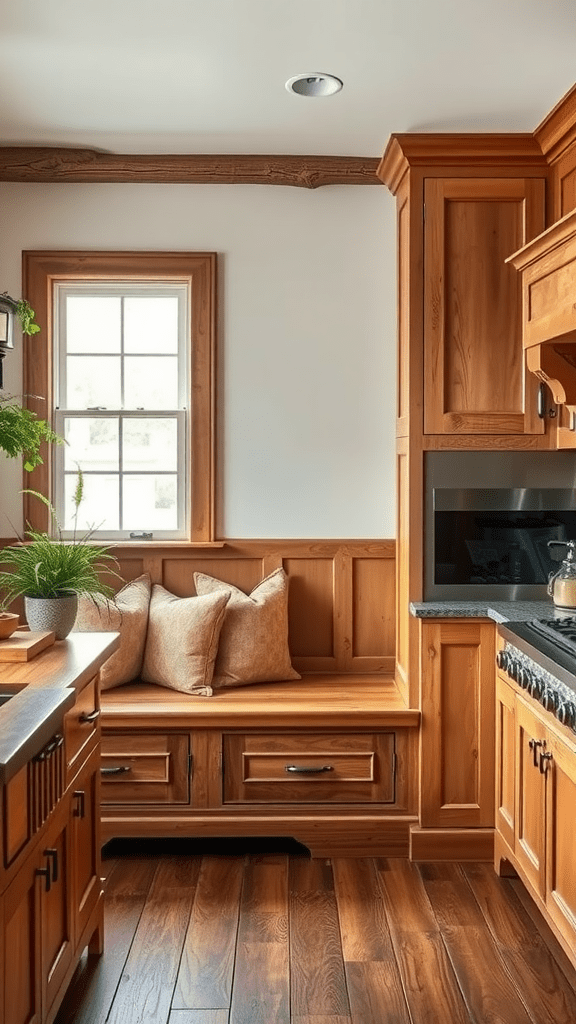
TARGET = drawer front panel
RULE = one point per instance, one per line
(296, 768)
(81, 723)
(145, 768)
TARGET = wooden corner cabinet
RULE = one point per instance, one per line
(51, 905)
(535, 799)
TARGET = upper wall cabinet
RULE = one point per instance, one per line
(474, 373)
(465, 202)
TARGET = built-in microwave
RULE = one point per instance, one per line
(491, 520)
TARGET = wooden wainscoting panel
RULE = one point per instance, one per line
(311, 604)
(373, 592)
(178, 574)
(341, 597)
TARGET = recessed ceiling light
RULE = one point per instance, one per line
(314, 84)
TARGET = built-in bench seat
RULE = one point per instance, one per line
(327, 759)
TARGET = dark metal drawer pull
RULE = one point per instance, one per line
(53, 855)
(116, 771)
(534, 744)
(45, 872)
(307, 770)
(89, 716)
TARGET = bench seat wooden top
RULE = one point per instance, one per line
(314, 701)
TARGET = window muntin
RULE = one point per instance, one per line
(122, 403)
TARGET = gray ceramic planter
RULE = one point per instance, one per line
(57, 614)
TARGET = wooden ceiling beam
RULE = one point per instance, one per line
(53, 164)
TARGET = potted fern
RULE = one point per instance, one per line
(50, 572)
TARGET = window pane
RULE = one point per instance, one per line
(99, 505)
(150, 382)
(151, 324)
(150, 503)
(92, 444)
(92, 381)
(150, 444)
(92, 323)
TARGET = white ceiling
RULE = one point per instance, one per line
(207, 76)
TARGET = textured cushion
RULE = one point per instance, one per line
(182, 640)
(253, 644)
(129, 615)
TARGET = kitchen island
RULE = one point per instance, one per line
(51, 905)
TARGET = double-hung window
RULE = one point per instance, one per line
(122, 401)
(128, 365)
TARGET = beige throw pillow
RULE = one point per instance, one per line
(128, 614)
(182, 640)
(253, 644)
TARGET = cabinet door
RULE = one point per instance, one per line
(474, 370)
(87, 887)
(561, 862)
(56, 906)
(457, 732)
(529, 837)
(20, 964)
(505, 760)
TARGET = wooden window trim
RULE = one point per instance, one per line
(40, 269)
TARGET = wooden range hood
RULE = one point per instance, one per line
(548, 268)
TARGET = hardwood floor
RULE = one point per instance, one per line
(258, 933)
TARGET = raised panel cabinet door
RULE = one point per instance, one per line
(560, 860)
(56, 906)
(529, 836)
(475, 380)
(87, 886)
(457, 731)
(20, 965)
(505, 760)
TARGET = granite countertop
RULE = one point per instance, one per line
(499, 611)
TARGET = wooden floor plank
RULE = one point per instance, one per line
(261, 991)
(533, 969)
(430, 985)
(375, 993)
(207, 967)
(198, 1017)
(147, 982)
(94, 984)
(543, 929)
(488, 991)
(361, 913)
(318, 982)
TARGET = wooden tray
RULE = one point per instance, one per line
(25, 644)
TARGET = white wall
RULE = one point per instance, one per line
(306, 337)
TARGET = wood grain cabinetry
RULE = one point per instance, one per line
(474, 373)
(536, 794)
(457, 731)
(51, 905)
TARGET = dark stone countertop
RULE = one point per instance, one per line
(44, 689)
(499, 611)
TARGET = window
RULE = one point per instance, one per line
(127, 368)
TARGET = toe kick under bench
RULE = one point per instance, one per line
(329, 760)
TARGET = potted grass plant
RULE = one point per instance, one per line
(50, 572)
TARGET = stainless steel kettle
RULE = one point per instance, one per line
(562, 584)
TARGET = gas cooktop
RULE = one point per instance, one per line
(540, 655)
